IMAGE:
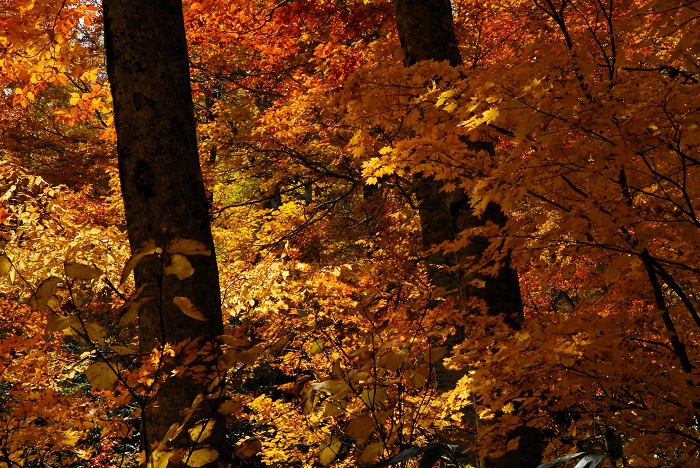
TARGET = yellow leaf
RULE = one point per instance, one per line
(232, 341)
(80, 271)
(201, 457)
(330, 450)
(230, 406)
(180, 267)
(132, 309)
(159, 459)
(373, 398)
(100, 375)
(188, 308)
(5, 265)
(122, 350)
(434, 355)
(44, 292)
(188, 247)
(57, 323)
(96, 333)
(148, 248)
(202, 430)
(250, 356)
(392, 361)
(372, 452)
(248, 448)
(360, 428)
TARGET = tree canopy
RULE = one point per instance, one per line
(576, 120)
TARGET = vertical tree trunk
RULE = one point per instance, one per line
(426, 31)
(162, 186)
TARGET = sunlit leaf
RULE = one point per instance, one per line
(201, 457)
(159, 459)
(360, 427)
(329, 450)
(187, 247)
(249, 448)
(180, 267)
(5, 265)
(132, 309)
(81, 271)
(100, 375)
(188, 308)
(202, 430)
(44, 292)
(148, 248)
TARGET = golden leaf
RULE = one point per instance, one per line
(330, 450)
(44, 292)
(5, 265)
(188, 308)
(372, 452)
(100, 375)
(123, 350)
(80, 271)
(248, 448)
(201, 457)
(360, 428)
(132, 309)
(159, 459)
(57, 323)
(186, 246)
(202, 430)
(148, 248)
(180, 267)
(434, 355)
(230, 406)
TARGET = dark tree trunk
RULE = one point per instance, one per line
(162, 186)
(426, 31)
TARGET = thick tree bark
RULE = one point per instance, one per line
(426, 31)
(161, 181)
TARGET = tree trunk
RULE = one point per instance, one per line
(426, 31)
(163, 191)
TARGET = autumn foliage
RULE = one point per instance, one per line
(312, 134)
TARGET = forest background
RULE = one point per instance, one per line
(558, 139)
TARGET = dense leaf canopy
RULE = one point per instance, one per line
(312, 134)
